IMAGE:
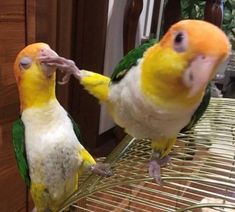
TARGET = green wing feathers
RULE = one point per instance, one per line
(76, 130)
(200, 110)
(18, 136)
(130, 60)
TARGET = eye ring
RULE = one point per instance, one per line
(180, 41)
(25, 63)
(179, 38)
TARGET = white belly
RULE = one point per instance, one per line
(138, 115)
(52, 147)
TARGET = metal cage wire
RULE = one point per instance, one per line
(200, 177)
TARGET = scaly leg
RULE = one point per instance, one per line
(102, 169)
(160, 156)
(64, 65)
(155, 166)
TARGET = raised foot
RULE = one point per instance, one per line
(66, 66)
(102, 169)
(155, 167)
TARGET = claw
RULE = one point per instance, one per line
(65, 79)
(155, 171)
(64, 65)
(102, 169)
(155, 166)
(164, 161)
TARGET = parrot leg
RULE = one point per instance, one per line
(64, 65)
(155, 166)
(102, 169)
(160, 156)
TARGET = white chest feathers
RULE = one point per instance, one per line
(140, 117)
(51, 145)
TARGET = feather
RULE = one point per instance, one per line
(130, 60)
(18, 134)
(76, 130)
(200, 110)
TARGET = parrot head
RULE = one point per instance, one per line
(181, 65)
(35, 80)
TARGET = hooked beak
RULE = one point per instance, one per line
(48, 70)
(199, 72)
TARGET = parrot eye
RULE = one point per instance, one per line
(180, 42)
(25, 62)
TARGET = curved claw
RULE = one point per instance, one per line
(155, 171)
(102, 169)
(64, 65)
(155, 166)
(65, 79)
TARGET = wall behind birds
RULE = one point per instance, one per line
(114, 43)
(17, 28)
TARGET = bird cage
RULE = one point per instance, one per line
(200, 177)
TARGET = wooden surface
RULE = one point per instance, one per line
(16, 28)
(89, 48)
(57, 32)
(131, 20)
(13, 190)
(172, 13)
(155, 16)
(213, 12)
(74, 33)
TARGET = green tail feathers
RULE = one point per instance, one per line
(200, 110)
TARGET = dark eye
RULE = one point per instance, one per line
(180, 42)
(179, 38)
(25, 62)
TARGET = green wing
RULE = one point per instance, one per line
(200, 110)
(19, 148)
(76, 130)
(130, 60)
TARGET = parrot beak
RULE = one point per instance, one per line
(199, 72)
(48, 70)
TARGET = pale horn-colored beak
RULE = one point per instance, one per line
(48, 70)
(198, 74)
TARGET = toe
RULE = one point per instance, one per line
(102, 169)
(155, 171)
(64, 80)
(164, 161)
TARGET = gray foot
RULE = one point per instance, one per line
(155, 166)
(102, 169)
(155, 171)
(66, 66)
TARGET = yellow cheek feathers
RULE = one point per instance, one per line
(35, 88)
(162, 68)
(161, 78)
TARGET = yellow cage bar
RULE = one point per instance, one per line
(200, 177)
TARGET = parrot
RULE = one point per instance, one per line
(159, 88)
(46, 140)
